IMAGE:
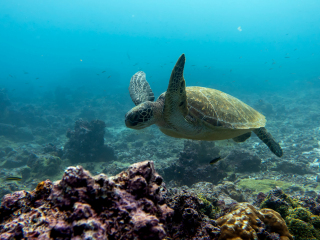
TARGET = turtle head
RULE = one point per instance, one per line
(141, 116)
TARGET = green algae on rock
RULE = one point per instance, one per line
(302, 224)
(300, 221)
(264, 185)
(280, 202)
(208, 207)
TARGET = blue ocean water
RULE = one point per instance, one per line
(234, 46)
(65, 68)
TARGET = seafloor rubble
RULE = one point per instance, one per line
(35, 143)
(135, 204)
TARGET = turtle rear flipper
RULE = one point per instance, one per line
(242, 137)
(267, 138)
(139, 89)
(175, 105)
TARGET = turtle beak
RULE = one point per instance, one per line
(130, 120)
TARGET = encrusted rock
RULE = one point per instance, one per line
(193, 164)
(86, 143)
(241, 160)
(127, 206)
(246, 222)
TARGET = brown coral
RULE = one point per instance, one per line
(127, 206)
(246, 222)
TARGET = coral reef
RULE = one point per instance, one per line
(241, 160)
(13, 159)
(301, 222)
(134, 204)
(45, 165)
(127, 206)
(188, 220)
(86, 143)
(279, 201)
(246, 222)
(193, 164)
(297, 167)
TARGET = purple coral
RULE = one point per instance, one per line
(127, 206)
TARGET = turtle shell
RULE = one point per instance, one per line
(219, 109)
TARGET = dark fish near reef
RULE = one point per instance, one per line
(13, 178)
(215, 160)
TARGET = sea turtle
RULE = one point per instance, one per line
(195, 112)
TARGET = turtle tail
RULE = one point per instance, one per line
(267, 138)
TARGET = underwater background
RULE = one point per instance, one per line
(65, 69)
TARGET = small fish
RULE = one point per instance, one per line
(215, 160)
(230, 70)
(25, 72)
(37, 78)
(109, 76)
(13, 178)
(270, 68)
(239, 29)
(103, 71)
(80, 60)
(135, 64)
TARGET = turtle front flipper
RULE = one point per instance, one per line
(175, 105)
(267, 138)
(139, 89)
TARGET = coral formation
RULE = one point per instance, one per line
(127, 206)
(208, 208)
(193, 164)
(241, 160)
(86, 143)
(279, 201)
(301, 222)
(135, 204)
(246, 222)
(188, 220)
